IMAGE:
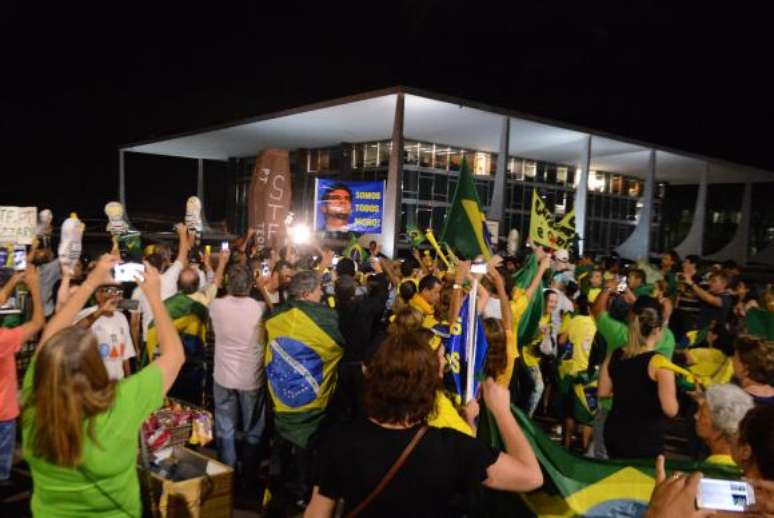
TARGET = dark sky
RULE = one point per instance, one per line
(78, 82)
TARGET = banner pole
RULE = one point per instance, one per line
(470, 342)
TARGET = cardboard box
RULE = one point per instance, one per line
(207, 496)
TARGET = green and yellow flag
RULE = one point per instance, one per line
(545, 230)
(580, 486)
(465, 226)
(303, 350)
(190, 319)
(355, 250)
(530, 319)
(415, 235)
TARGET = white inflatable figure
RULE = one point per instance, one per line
(117, 223)
(70, 243)
(44, 228)
(513, 242)
(193, 214)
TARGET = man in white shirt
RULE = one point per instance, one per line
(240, 386)
(111, 329)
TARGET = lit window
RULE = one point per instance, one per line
(561, 175)
(530, 169)
(596, 181)
(482, 163)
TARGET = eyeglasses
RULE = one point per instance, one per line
(110, 290)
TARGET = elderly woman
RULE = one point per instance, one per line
(721, 409)
(753, 364)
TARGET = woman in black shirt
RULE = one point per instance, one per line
(401, 384)
(642, 393)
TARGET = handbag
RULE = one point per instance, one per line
(390, 473)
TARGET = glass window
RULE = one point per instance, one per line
(518, 169)
(530, 170)
(482, 164)
(605, 206)
(517, 199)
(371, 158)
(425, 186)
(411, 153)
(440, 189)
(561, 175)
(540, 170)
(324, 160)
(483, 192)
(455, 159)
(357, 156)
(441, 158)
(426, 155)
(550, 174)
(384, 153)
(410, 183)
(312, 161)
(424, 217)
(635, 188)
(617, 185)
(439, 214)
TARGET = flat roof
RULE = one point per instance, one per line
(437, 118)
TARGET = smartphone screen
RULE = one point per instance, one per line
(128, 272)
(224, 245)
(724, 495)
(20, 258)
(478, 268)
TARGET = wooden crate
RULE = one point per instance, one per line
(209, 496)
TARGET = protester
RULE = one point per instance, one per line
(111, 329)
(428, 295)
(642, 393)
(544, 342)
(87, 464)
(400, 385)
(11, 340)
(721, 408)
(753, 450)
(687, 302)
(500, 336)
(753, 364)
(716, 302)
(239, 384)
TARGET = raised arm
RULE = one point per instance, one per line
(516, 469)
(703, 294)
(101, 274)
(31, 328)
(183, 244)
(223, 257)
(463, 267)
(545, 264)
(505, 306)
(170, 347)
(600, 304)
(7, 290)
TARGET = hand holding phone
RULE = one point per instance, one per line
(128, 272)
(224, 245)
(724, 495)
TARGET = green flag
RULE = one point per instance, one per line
(465, 226)
(415, 235)
(760, 323)
(355, 250)
(529, 321)
(580, 486)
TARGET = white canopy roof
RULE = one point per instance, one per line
(435, 118)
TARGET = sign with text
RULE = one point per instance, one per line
(343, 206)
(269, 197)
(545, 230)
(18, 224)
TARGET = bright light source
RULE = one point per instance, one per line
(300, 234)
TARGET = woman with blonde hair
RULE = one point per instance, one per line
(80, 428)
(642, 392)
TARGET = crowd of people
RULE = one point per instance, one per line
(331, 383)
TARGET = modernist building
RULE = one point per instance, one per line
(416, 140)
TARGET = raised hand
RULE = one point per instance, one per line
(150, 283)
(103, 271)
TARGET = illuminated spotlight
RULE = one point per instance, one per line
(300, 234)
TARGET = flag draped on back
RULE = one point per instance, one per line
(190, 320)
(530, 319)
(579, 486)
(465, 226)
(301, 356)
(458, 353)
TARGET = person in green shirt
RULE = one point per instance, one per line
(80, 429)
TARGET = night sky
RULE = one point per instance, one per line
(79, 82)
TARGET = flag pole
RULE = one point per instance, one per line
(470, 341)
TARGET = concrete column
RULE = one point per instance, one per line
(637, 246)
(391, 222)
(200, 180)
(694, 241)
(121, 179)
(738, 248)
(581, 195)
(497, 207)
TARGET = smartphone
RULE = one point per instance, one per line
(20, 258)
(724, 495)
(224, 245)
(622, 284)
(335, 260)
(480, 268)
(128, 304)
(128, 272)
(265, 270)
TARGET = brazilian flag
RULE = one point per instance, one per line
(760, 323)
(415, 235)
(528, 324)
(190, 320)
(355, 250)
(579, 486)
(465, 225)
(303, 350)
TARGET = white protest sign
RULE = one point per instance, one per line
(18, 224)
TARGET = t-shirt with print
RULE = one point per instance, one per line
(616, 335)
(355, 456)
(114, 340)
(10, 343)
(110, 460)
(580, 331)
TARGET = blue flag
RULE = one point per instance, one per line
(457, 350)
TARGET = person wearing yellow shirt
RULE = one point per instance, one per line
(427, 297)
(576, 337)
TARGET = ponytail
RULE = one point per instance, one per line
(642, 325)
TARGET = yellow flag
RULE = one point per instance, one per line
(545, 230)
